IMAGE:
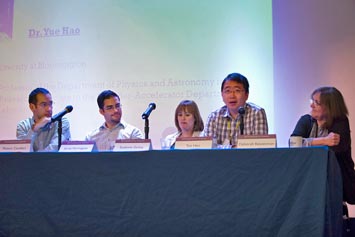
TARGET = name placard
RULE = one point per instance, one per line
(193, 143)
(133, 145)
(15, 145)
(256, 141)
(77, 146)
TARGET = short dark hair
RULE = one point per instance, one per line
(32, 98)
(333, 102)
(106, 94)
(239, 78)
(191, 107)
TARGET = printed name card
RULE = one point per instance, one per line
(256, 141)
(77, 146)
(133, 145)
(193, 143)
(15, 145)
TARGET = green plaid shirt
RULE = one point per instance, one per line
(222, 127)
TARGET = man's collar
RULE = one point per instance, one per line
(120, 124)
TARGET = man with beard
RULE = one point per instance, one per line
(114, 127)
(39, 129)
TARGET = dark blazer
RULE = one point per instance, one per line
(342, 150)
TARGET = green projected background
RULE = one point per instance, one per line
(147, 51)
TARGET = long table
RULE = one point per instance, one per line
(251, 192)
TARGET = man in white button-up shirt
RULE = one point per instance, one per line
(114, 127)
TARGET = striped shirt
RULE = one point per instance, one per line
(222, 127)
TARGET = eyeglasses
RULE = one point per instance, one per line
(316, 102)
(236, 91)
(111, 107)
(45, 104)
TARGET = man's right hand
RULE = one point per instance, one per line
(41, 123)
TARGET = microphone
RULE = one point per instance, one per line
(147, 112)
(59, 115)
(241, 111)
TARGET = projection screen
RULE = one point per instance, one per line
(146, 51)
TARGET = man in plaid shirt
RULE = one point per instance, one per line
(224, 123)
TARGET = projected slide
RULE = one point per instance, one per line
(146, 51)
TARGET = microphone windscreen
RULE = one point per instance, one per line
(241, 110)
(153, 106)
(69, 108)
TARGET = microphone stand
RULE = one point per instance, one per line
(241, 124)
(241, 112)
(59, 133)
(146, 128)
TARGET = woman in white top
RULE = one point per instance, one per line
(188, 122)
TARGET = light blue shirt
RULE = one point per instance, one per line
(45, 139)
(105, 138)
